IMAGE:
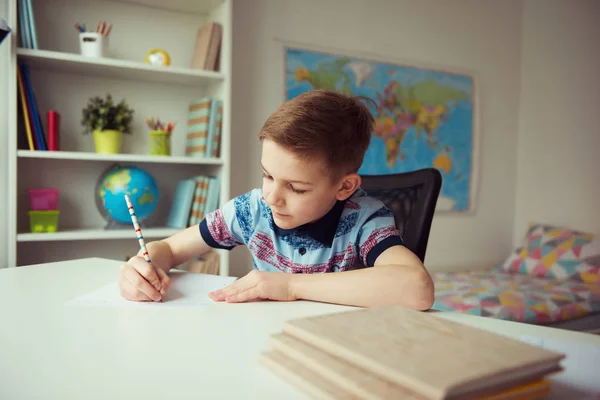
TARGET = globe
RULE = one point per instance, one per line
(115, 183)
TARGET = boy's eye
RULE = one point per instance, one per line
(297, 190)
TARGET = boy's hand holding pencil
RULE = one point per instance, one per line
(140, 280)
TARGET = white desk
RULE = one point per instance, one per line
(49, 351)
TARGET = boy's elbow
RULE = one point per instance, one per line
(422, 291)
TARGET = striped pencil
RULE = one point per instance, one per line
(138, 231)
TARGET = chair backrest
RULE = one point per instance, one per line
(412, 197)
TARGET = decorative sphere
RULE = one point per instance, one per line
(118, 181)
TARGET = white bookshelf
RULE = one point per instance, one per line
(92, 234)
(104, 67)
(64, 80)
(137, 158)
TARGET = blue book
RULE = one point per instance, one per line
(36, 122)
(181, 204)
(32, 29)
(212, 197)
(212, 126)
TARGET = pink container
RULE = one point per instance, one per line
(43, 199)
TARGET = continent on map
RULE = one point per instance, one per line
(423, 106)
(118, 181)
(327, 76)
(146, 198)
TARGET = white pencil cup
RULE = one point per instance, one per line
(93, 44)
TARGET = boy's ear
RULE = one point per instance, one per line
(348, 186)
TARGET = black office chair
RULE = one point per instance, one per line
(412, 197)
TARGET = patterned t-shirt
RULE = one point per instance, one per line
(351, 235)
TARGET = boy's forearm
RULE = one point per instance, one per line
(381, 285)
(177, 249)
(160, 254)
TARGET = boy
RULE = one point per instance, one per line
(310, 221)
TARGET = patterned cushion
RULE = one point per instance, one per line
(515, 297)
(557, 252)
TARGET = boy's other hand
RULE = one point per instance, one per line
(257, 285)
(141, 281)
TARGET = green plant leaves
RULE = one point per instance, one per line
(103, 114)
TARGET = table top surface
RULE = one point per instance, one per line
(49, 350)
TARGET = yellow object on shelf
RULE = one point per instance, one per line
(107, 141)
(43, 221)
(158, 57)
(160, 143)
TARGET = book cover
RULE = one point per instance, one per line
(181, 204)
(199, 202)
(197, 127)
(399, 344)
(202, 46)
(217, 137)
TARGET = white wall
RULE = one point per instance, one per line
(4, 57)
(483, 36)
(558, 147)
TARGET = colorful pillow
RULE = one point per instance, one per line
(557, 252)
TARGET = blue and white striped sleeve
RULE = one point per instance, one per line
(377, 234)
(233, 224)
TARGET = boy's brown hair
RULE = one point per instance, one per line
(323, 124)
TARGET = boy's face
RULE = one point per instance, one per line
(299, 191)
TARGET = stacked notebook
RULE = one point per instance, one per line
(203, 133)
(396, 353)
(208, 47)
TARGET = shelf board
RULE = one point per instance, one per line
(138, 158)
(183, 6)
(113, 68)
(95, 234)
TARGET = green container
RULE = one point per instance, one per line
(160, 143)
(43, 221)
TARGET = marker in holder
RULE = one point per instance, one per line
(93, 44)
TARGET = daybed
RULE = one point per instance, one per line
(552, 279)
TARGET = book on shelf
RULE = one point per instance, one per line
(26, 20)
(207, 47)
(193, 199)
(204, 124)
(391, 352)
(30, 120)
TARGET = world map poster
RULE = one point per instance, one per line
(423, 117)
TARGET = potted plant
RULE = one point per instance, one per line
(107, 121)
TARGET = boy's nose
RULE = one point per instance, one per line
(274, 198)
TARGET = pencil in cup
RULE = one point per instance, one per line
(138, 230)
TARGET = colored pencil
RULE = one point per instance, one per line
(158, 125)
(138, 230)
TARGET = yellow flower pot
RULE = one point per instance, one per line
(160, 143)
(107, 141)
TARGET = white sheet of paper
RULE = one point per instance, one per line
(188, 289)
(579, 380)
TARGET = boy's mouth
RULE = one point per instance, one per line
(279, 215)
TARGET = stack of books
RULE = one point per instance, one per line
(392, 352)
(31, 134)
(194, 198)
(27, 31)
(207, 50)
